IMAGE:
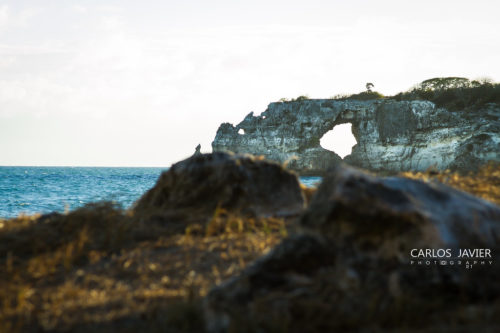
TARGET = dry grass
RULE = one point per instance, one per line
(100, 269)
(485, 183)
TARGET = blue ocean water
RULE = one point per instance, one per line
(30, 190)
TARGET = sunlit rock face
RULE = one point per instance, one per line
(391, 135)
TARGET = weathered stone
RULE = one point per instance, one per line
(197, 150)
(371, 212)
(351, 268)
(391, 135)
(288, 265)
(195, 187)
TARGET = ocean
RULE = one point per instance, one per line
(30, 190)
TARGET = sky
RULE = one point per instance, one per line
(141, 83)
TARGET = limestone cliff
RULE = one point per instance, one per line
(391, 135)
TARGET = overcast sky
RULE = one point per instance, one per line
(141, 83)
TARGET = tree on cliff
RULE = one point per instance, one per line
(443, 83)
(455, 93)
(369, 86)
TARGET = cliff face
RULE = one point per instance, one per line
(391, 135)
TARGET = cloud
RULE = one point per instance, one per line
(15, 19)
(80, 9)
(167, 86)
(111, 23)
(4, 15)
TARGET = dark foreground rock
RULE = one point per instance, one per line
(355, 207)
(352, 267)
(242, 184)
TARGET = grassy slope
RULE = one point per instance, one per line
(485, 183)
(101, 269)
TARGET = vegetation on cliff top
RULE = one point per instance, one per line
(297, 99)
(362, 96)
(453, 93)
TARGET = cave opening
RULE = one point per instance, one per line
(339, 139)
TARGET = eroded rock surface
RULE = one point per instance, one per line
(351, 267)
(351, 205)
(198, 185)
(391, 135)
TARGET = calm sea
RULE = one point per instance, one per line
(29, 190)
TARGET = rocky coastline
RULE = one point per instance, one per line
(392, 136)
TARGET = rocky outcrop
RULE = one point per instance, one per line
(391, 135)
(197, 150)
(192, 189)
(357, 263)
(351, 205)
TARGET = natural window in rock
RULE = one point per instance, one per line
(241, 131)
(340, 140)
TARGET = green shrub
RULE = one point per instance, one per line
(454, 93)
(362, 96)
(442, 83)
(298, 99)
(301, 98)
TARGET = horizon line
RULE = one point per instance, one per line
(81, 166)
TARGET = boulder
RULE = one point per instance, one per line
(353, 206)
(351, 267)
(197, 150)
(194, 188)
